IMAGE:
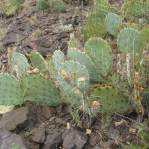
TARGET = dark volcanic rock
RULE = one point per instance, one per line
(74, 139)
(53, 141)
(14, 118)
(10, 141)
(38, 135)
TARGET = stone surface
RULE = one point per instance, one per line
(74, 139)
(10, 141)
(38, 135)
(53, 141)
(14, 118)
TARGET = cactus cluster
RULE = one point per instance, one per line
(71, 77)
(28, 85)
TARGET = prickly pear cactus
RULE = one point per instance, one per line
(37, 61)
(110, 101)
(130, 41)
(73, 80)
(58, 59)
(113, 22)
(101, 7)
(75, 75)
(18, 63)
(10, 91)
(94, 27)
(145, 35)
(135, 8)
(100, 53)
(57, 5)
(85, 60)
(42, 4)
(40, 90)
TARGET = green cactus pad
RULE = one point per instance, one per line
(40, 90)
(94, 27)
(74, 75)
(42, 4)
(113, 22)
(19, 63)
(145, 35)
(85, 60)
(130, 41)
(101, 7)
(57, 5)
(58, 59)
(37, 61)
(111, 102)
(100, 53)
(10, 91)
(135, 8)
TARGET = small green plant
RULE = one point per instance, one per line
(10, 7)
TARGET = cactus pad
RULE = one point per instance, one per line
(40, 90)
(94, 27)
(42, 4)
(75, 75)
(135, 8)
(111, 102)
(100, 53)
(19, 63)
(85, 60)
(130, 41)
(57, 5)
(113, 22)
(10, 91)
(58, 59)
(37, 61)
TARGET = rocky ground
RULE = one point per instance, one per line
(41, 127)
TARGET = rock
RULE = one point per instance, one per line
(94, 139)
(14, 118)
(74, 139)
(9, 140)
(96, 147)
(53, 141)
(38, 135)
